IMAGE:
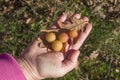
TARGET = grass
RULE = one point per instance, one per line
(104, 37)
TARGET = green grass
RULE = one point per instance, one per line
(15, 36)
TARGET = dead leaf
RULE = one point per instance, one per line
(28, 20)
(77, 24)
(44, 30)
(69, 14)
(94, 54)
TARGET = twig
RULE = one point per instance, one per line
(109, 68)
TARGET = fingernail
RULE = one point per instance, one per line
(85, 19)
(77, 16)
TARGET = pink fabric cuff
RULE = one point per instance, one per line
(9, 68)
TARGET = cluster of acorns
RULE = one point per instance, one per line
(56, 40)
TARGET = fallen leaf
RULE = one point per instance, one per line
(94, 54)
(77, 24)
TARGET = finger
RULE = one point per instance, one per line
(62, 18)
(73, 55)
(71, 62)
(66, 47)
(35, 45)
(83, 35)
(36, 42)
(86, 19)
(33, 49)
(77, 16)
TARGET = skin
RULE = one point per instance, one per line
(36, 63)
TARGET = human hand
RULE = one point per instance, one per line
(37, 63)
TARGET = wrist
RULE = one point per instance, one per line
(29, 72)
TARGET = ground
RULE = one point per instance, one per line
(22, 20)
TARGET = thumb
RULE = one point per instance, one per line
(37, 42)
(71, 61)
(73, 55)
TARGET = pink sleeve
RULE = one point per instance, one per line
(9, 68)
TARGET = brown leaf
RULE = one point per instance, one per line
(77, 24)
(56, 30)
(94, 54)
(69, 14)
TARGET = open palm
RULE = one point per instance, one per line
(37, 63)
